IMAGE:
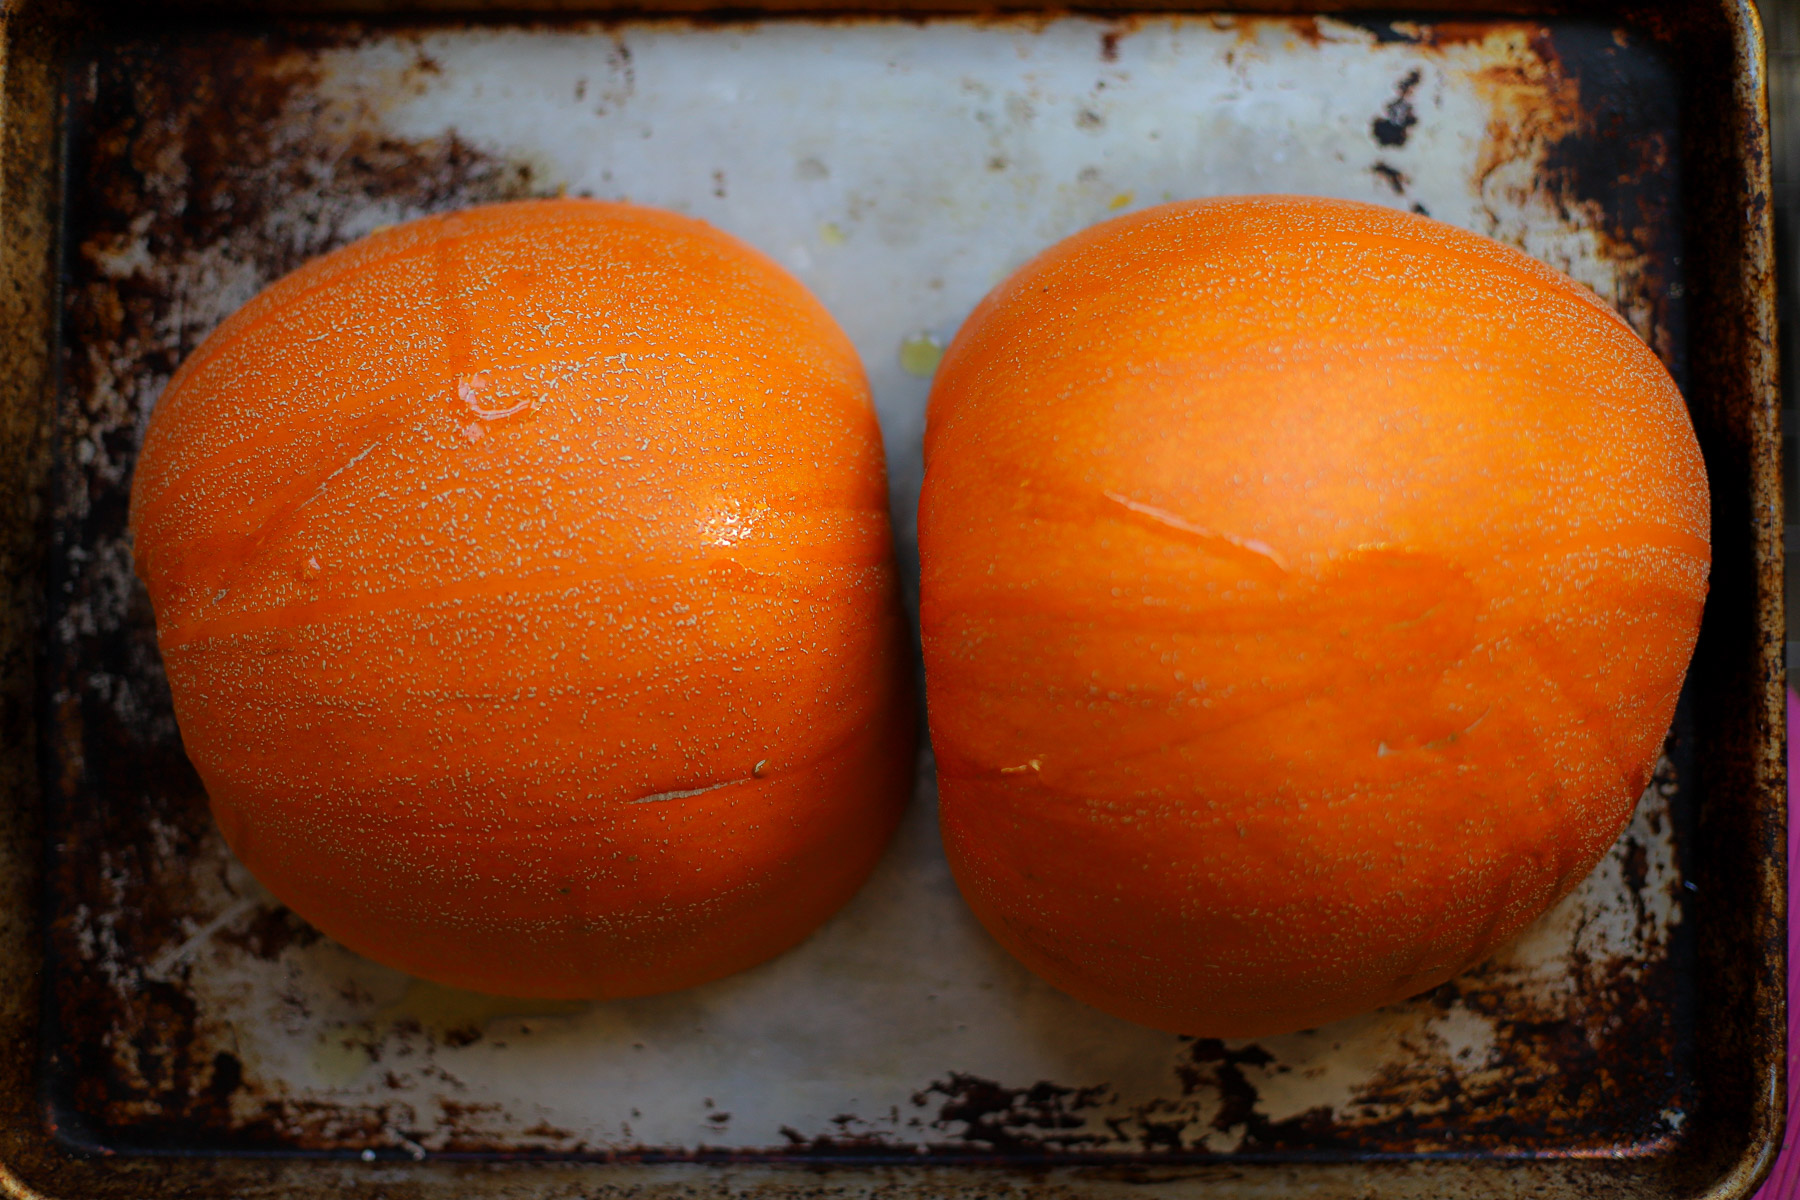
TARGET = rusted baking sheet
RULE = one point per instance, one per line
(191, 1024)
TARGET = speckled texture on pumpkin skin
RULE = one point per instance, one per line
(1306, 592)
(525, 585)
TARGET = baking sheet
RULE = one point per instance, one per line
(900, 169)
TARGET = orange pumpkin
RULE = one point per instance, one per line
(524, 582)
(1306, 592)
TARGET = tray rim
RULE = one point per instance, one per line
(35, 38)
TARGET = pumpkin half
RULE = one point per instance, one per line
(524, 582)
(1307, 588)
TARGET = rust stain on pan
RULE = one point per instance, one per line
(1586, 120)
(1583, 129)
(215, 151)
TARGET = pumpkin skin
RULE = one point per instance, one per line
(1307, 588)
(524, 582)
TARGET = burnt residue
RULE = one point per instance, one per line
(1386, 31)
(269, 933)
(1391, 175)
(982, 1114)
(1436, 35)
(1211, 1063)
(197, 164)
(1593, 117)
(848, 1137)
(1618, 159)
(1397, 119)
(1584, 125)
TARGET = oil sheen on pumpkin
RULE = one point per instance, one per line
(1307, 588)
(524, 582)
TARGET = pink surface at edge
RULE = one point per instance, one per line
(1784, 1181)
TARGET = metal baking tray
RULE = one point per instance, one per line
(171, 1030)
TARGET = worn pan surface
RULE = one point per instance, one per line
(191, 1025)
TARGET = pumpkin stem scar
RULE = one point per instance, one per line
(1164, 517)
(683, 793)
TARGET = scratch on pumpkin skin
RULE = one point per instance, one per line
(1383, 750)
(281, 519)
(684, 793)
(1164, 517)
(469, 389)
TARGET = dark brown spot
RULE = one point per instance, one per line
(270, 932)
(1392, 176)
(1017, 1119)
(1397, 119)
